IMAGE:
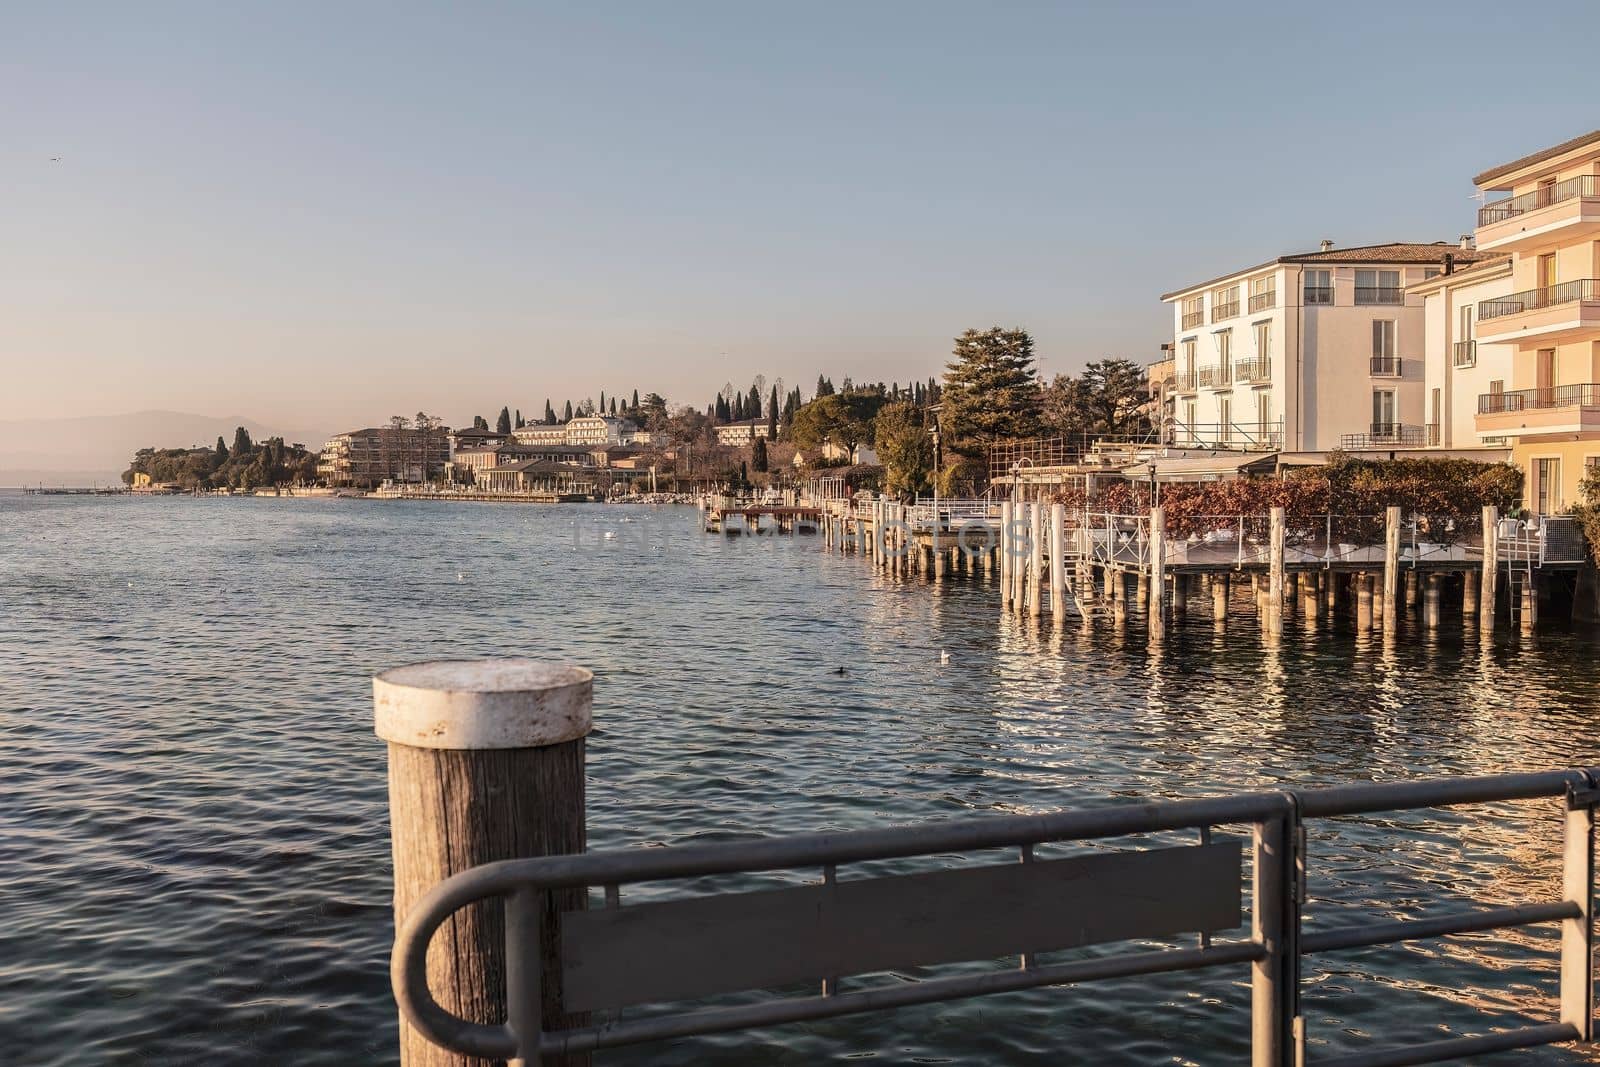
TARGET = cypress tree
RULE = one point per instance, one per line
(635, 400)
(503, 423)
(759, 455)
(568, 416)
(772, 415)
(241, 442)
(520, 423)
(222, 451)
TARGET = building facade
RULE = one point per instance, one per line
(1306, 352)
(364, 459)
(743, 432)
(1544, 212)
(600, 430)
(541, 433)
(1458, 367)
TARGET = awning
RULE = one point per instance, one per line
(1201, 465)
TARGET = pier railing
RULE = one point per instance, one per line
(837, 921)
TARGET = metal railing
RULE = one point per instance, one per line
(1224, 311)
(1464, 354)
(1242, 436)
(687, 948)
(1386, 366)
(1185, 383)
(1192, 319)
(1252, 370)
(1263, 301)
(1213, 376)
(1571, 189)
(1385, 435)
(1557, 396)
(956, 512)
(1319, 294)
(1580, 290)
(1434, 435)
(1380, 294)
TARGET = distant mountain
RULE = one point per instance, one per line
(90, 449)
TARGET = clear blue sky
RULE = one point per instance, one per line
(319, 214)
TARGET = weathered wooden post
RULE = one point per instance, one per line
(1391, 569)
(486, 763)
(1430, 603)
(1469, 599)
(1219, 598)
(1488, 594)
(1058, 563)
(1004, 555)
(1411, 587)
(1035, 559)
(1530, 606)
(1180, 595)
(1363, 602)
(1275, 572)
(1157, 605)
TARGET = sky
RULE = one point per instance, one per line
(324, 214)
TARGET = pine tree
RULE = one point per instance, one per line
(824, 387)
(991, 388)
(503, 423)
(241, 442)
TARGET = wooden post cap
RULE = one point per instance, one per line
(483, 704)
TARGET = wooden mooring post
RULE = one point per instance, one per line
(1391, 569)
(1005, 555)
(1275, 573)
(486, 763)
(1487, 593)
(1035, 558)
(1058, 563)
(1157, 605)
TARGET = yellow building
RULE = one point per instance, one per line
(1548, 221)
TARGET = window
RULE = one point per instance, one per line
(1378, 287)
(1186, 368)
(1224, 303)
(1224, 419)
(1194, 312)
(1547, 485)
(1383, 412)
(1384, 360)
(1466, 349)
(1188, 420)
(1430, 272)
(1436, 406)
(1263, 292)
(1263, 415)
(1224, 356)
(1319, 286)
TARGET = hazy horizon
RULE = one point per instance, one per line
(318, 217)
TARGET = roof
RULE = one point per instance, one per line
(1200, 464)
(1496, 173)
(1484, 268)
(538, 466)
(1402, 252)
(473, 431)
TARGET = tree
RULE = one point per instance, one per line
(824, 387)
(1110, 398)
(568, 416)
(830, 418)
(221, 451)
(549, 413)
(772, 415)
(503, 423)
(758, 455)
(241, 442)
(653, 411)
(905, 448)
(520, 423)
(635, 405)
(991, 389)
(479, 422)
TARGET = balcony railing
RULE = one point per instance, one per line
(1191, 319)
(1386, 366)
(1224, 311)
(1385, 435)
(1252, 370)
(1557, 396)
(1433, 435)
(1571, 189)
(1465, 354)
(1583, 289)
(1213, 376)
(1380, 294)
(1263, 301)
(1185, 383)
(1319, 294)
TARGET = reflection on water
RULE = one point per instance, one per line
(193, 839)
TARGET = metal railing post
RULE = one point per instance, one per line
(1577, 934)
(1275, 925)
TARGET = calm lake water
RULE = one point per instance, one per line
(194, 856)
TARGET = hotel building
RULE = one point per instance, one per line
(1548, 222)
(1306, 352)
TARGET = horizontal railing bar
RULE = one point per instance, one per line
(1457, 1047)
(1389, 933)
(1395, 796)
(802, 1009)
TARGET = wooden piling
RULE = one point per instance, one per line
(1530, 607)
(1411, 587)
(1391, 569)
(1035, 558)
(1005, 561)
(486, 763)
(1180, 595)
(1058, 563)
(1275, 572)
(1430, 602)
(1363, 602)
(1487, 593)
(1219, 598)
(1157, 603)
(1469, 599)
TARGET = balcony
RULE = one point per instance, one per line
(1224, 311)
(1263, 301)
(1434, 436)
(1319, 294)
(1557, 214)
(1185, 383)
(1251, 371)
(1385, 366)
(1191, 319)
(1213, 377)
(1380, 294)
(1464, 354)
(1557, 409)
(1563, 312)
(1385, 435)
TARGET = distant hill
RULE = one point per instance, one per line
(96, 449)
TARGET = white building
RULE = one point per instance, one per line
(1306, 352)
(600, 430)
(1458, 367)
(743, 432)
(541, 433)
